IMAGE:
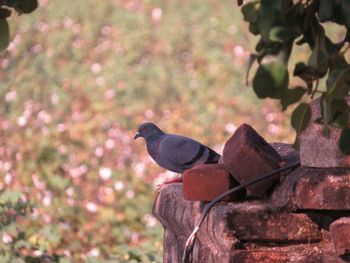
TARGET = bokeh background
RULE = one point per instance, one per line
(75, 82)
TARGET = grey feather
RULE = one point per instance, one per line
(175, 152)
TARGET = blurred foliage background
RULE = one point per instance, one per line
(75, 82)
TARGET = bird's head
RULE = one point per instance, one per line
(147, 130)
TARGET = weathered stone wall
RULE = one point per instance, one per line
(305, 219)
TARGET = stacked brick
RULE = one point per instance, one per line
(303, 216)
(254, 157)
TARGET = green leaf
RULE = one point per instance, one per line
(325, 10)
(254, 29)
(333, 49)
(327, 112)
(334, 112)
(271, 80)
(318, 60)
(266, 18)
(307, 74)
(344, 141)
(4, 13)
(345, 9)
(280, 34)
(340, 105)
(341, 113)
(301, 117)
(27, 6)
(338, 15)
(250, 11)
(340, 120)
(11, 3)
(334, 108)
(347, 36)
(327, 116)
(4, 34)
(292, 96)
(338, 83)
(310, 26)
(252, 59)
(299, 69)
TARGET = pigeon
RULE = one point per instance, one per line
(173, 152)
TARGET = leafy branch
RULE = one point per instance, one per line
(282, 24)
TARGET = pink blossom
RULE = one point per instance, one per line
(110, 144)
(96, 68)
(119, 186)
(95, 252)
(157, 14)
(11, 96)
(99, 152)
(91, 207)
(130, 194)
(105, 173)
(21, 121)
(6, 238)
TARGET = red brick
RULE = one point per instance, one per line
(247, 156)
(340, 233)
(307, 253)
(207, 181)
(324, 190)
(273, 227)
(261, 256)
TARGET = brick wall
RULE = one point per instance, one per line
(306, 218)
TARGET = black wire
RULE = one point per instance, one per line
(190, 241)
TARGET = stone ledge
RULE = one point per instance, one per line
(312, 254)
(233, 232)
(172, 211)
(313, 189)
(340, 232)
(273, 227)
(288, 254)
(290, 225)
(324, 191)
(180, 215)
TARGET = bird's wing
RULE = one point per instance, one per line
(181, 151)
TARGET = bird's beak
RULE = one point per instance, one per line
(137, 135)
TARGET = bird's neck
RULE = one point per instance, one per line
(153, 141)
(154, 136)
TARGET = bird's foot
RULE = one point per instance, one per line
(172, 181)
